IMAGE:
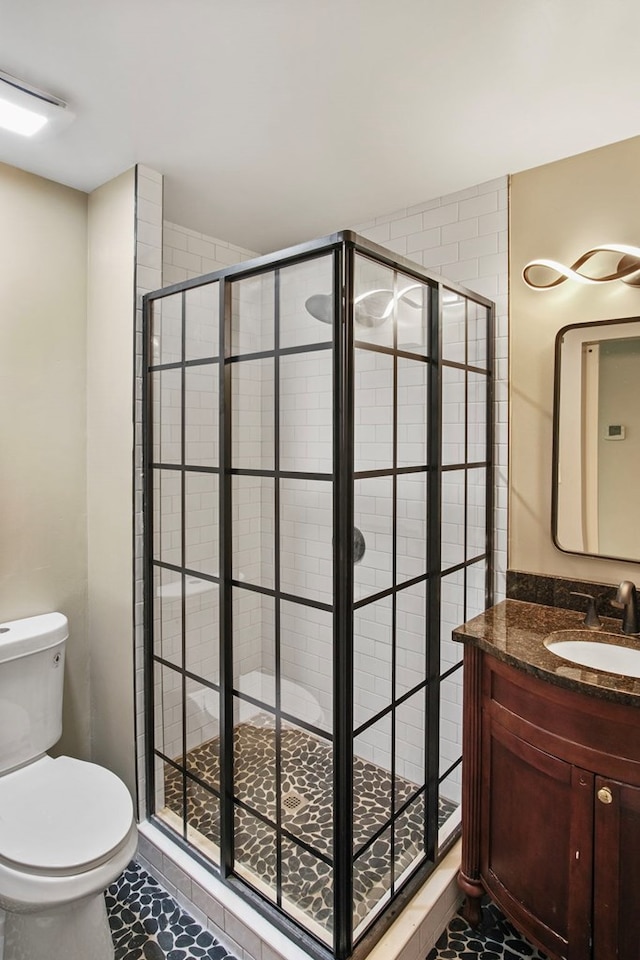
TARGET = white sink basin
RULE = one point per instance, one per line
(600, 652)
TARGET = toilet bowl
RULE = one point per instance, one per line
(67, 827)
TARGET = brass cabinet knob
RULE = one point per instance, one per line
(605, 795)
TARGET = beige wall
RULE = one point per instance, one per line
(559, 211)
(42, 426)
(110, 318)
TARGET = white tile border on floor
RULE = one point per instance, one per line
(250, 936)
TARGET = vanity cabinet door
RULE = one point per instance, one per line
(616, 871)
(537, 841)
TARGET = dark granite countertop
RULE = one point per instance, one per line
(514, 631)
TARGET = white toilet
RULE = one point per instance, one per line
(67, 827)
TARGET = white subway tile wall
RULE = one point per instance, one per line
(187, 254)
(463, 237)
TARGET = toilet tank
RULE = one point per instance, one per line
(31, 682)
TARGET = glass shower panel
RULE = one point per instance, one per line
(476, 589)
(450, 766)
(252, 314)
(306, 412)
(412, 412)
(453, 416)
(202, 328)
(306, 663)
(452, 614)
(168, 736)
(252, 415)
(409, 837)
(451, 722)
(307, 889)
(453, 330)
(167, 523)
(168, 712)
(477, 334)
(306, 303)
(306, 539)
(167, 407)
(202, 714)
(374, 407)
(371, 781)
(201, 526)
(254, 759)
(372, 879)
(372, 659)
(203, 819)
(306, 789)
(411, 312)
(476, 512)
(411, 526)
(252, 541)
(452, 528)
(201, 415)
(253, 651)
(256, 851)
(165, 344)
(410, 732)
(449, 810)
(476, 417)
(167, 615)
(412, 632)
(373, 302)
(373, 517)
(202, 628)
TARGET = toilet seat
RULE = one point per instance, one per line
(62, 817)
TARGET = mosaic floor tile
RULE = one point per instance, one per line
(147, 924)
(306, 774)
(494, 939)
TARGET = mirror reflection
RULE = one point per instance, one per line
(596, 460)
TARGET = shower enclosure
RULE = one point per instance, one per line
(317, 519)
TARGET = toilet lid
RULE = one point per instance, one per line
(62, 816)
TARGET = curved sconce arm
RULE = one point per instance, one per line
(628, 267)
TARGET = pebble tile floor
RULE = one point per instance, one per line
(147, 924)
(494, 939)
(307, 773)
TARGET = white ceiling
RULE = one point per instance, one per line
(276, 121)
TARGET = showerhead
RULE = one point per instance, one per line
(320, 306)
(371, 309)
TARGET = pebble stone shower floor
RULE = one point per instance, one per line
(307, 775)
(147, 924)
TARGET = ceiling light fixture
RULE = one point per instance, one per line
(627, 268)
(28, 111)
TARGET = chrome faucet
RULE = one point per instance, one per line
(627, 600)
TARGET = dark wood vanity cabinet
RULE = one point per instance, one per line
(551, 811)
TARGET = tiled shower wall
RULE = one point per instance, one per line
(463, 236)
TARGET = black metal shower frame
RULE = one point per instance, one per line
(344, 247)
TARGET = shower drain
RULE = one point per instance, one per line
(293, 802)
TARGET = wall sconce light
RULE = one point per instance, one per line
(627, 268)
(28, 111)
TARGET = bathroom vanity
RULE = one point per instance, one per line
(551, 786)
